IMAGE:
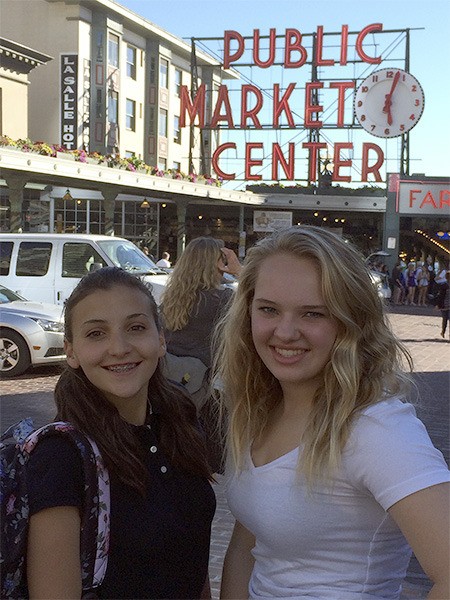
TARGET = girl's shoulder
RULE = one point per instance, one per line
(393, 405)
(54, 474)
(390, 453)
(385, 422)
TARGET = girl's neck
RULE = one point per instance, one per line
(134, 413)
(298, 400)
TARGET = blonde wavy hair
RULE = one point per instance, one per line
(195, 270)
(367, 361)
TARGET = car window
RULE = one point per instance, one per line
(126, 255)
(33, 259)
(79, 258)
(5, 257)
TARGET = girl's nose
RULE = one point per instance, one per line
(118, 344)
(288, 328)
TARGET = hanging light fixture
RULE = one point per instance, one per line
(67, 196)
(145, 203)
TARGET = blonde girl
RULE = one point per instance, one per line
(329, 470)
(195, 297)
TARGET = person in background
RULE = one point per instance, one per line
(194, 297)
(162, 503)
(422, 278)
(164, 261)
(441, 274)
(398, 283)
(410, 283)
(443, 302)
(330, 475)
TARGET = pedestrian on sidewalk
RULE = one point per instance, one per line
(195, 297)
(164, 261)
(423, 278)
(162, 503)
(398, 281)
(411, 283)
(329, 471)
(443, 303)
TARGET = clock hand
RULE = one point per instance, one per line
(388, 98)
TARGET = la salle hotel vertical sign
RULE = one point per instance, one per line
(69, 101)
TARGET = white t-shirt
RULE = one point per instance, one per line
(338, 542)
(163, 262)
(440, 277)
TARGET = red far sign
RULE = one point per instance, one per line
(423, 198)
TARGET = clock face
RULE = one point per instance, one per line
(389, 103)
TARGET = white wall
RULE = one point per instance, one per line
(14, 93)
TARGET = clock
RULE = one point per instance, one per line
(389, 102)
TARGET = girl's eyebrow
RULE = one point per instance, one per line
(134, 315)
(128, 317)
(303, 306)
(91, 321)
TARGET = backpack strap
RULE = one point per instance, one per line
(19, 431)
(95, 521)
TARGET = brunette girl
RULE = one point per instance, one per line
(162, 503)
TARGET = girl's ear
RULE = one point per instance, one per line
(162, 345)
(72, 360)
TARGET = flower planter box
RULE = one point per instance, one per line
(65, 156)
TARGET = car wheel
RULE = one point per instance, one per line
(14, 354)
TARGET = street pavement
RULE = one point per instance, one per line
(419, 328)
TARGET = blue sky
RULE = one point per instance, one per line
(430, 49)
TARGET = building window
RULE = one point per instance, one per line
(129, 154)
(113, 107)
(163, 73)
(131, 62)
(178, 81)
(176, 130)
(162, 164)
(163, 122)
(113, 50)
(131, 115)
(176, 166)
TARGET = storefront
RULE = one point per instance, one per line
(417, 222)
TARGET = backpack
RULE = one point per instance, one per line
(95, 521)
(191, 373)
